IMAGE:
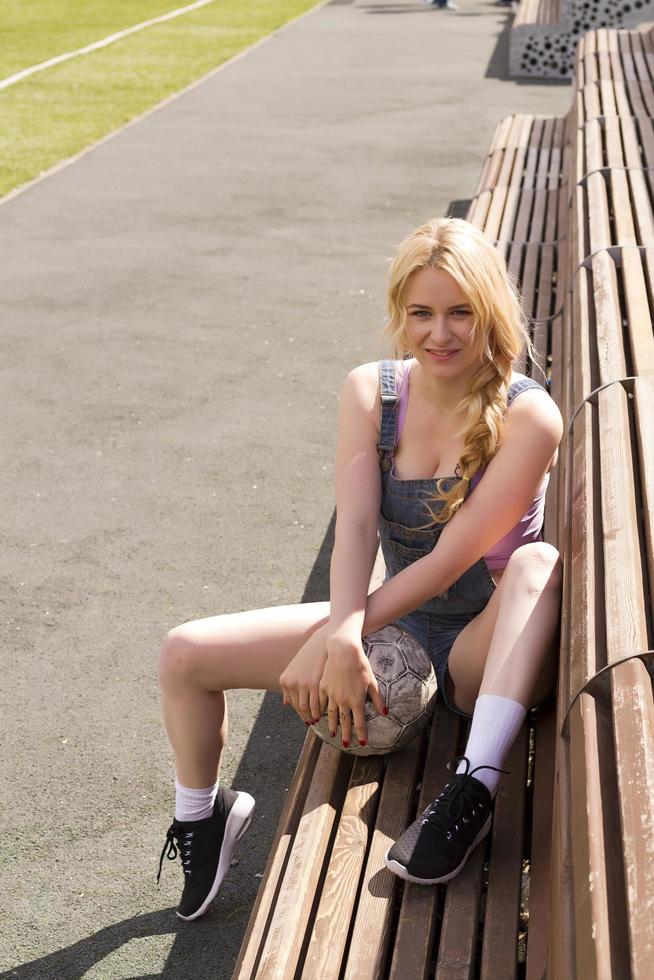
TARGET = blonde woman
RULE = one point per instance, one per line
(445, 453)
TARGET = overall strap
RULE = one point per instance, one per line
(388, 422)
(522, 385)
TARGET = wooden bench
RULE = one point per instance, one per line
(545, 33)
(573, 897)
(603, 893)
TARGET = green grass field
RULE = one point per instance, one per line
(54, 114)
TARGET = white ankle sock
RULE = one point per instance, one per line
(194, 804)
(495, 723)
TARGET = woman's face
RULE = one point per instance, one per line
(439, 324)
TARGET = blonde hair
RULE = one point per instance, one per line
(499, 333)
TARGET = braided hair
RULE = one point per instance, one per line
(499, 334)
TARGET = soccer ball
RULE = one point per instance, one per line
(407, 683)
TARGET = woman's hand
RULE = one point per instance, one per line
(300, 681)
(347, 679)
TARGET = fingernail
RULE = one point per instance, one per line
(362, 741)
(346, 745)
(307, 723)
(385, 710)
(316, 720)
(333, 734)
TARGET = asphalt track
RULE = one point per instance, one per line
(180, 307)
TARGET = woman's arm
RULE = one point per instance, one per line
(358, 499)
(532, 432)
(331, 668)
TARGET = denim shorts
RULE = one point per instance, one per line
(437, 639)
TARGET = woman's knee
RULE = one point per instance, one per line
(538, 567)
(179, 656)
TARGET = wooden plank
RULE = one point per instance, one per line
(625, 232)
(499, 956)
(611, 362)
(642, 72)
(561, 938)
(607, 91)
(593, 145)
(529, 276)
(644, 422)
(540, 869)
(590, 64)
(520, 231)
(592, 919)
(286, 933)
(612, 143)
(617, 70)
(546, 304)
(371, 933)
(339, 893)
(647, 50)
(551, 230)
(259, 918)
(597, 205)
(637, 105)
(633, 719)
(458, 940)
(417, 919)
(626, 632)
(645, 140)
(592, 104)
(582, 560)
(622, 104)
(639, 317)
(579, 62)
(626, 624)
(630, 142)
(641, 201)
(626, 58)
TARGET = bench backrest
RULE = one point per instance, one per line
(601, 922)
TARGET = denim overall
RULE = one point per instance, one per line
(437, 623)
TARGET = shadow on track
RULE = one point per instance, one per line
(198, 948)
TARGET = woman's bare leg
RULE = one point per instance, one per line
(202, 659)
(506, 656)
(509, 649)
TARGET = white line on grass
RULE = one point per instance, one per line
(26, 72)
(64, 164)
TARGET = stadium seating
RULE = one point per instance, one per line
(544, 33)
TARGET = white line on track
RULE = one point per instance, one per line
(26, 72)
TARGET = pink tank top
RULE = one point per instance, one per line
(527, 529)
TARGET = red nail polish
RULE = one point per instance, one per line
(346, 745)
(333, 734)
(307, 723)
(362, 742)
(385, 710)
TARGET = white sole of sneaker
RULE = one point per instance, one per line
(402, 872)
(238, 821)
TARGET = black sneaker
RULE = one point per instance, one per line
(437, 845)
(205, 848)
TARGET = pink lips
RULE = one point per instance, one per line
(442, 355)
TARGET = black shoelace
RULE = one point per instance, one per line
(457, 801)
(184, 839)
